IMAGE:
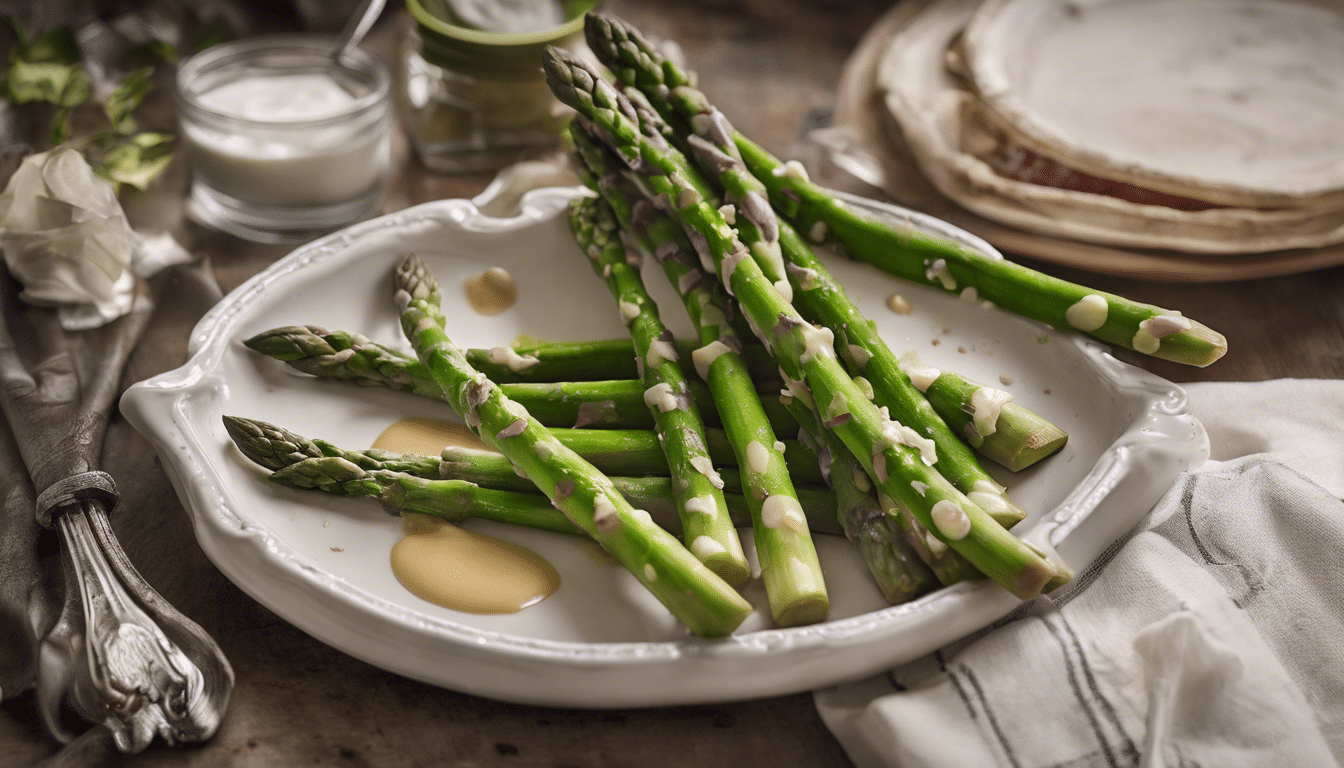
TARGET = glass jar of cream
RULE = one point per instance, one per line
(476, 99)
(283, 143)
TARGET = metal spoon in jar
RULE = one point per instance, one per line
(356, 28)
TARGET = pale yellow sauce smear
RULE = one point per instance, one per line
(427, 437)
(468, 571)
(456, 568)
(491, 292)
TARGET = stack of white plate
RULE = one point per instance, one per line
(1209, 128)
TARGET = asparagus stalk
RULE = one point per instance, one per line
(909, 253)
(1022, 437)
(705, 603)
(699, 489)
(889, 450)
(490, 470)
(276, 448)
(790, 569)
(401, 493)
(590, 360)
(614, 404)
(344, 356)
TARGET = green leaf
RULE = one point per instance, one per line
(46, 68)
(65, 85)
(139, 161)
(123, 101)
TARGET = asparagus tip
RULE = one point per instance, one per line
(265, 444)
(326, 473)
(291, 342)
(412, 276)
(240, 429)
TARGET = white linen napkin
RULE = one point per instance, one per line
(1213, 637)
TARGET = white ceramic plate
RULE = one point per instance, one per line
(865, 143)
(952, 138)
(1239, 102)
(600, 641)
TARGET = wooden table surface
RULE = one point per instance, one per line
(773, 67)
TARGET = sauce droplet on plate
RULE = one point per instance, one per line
(456, 568)
(491, 292)
(427, 437)
(468, 571)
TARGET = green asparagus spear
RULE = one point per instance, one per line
(702, 601)
(1022, 438)
(401, 493)
(914, 255)
(699, 489)
(626, 452)
(790, 569)
(615, 404)
(891, 452)
(345, 356)
(591, 360)
(275, 449)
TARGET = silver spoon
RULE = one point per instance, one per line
(356, 28)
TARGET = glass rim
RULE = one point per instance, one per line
(239, 52)
(502, 40)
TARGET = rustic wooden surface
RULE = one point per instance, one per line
(773, 66)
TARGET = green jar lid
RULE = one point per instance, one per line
(490, 55)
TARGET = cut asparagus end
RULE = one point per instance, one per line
(1023, 438)
(810, 609)
(1200, 346)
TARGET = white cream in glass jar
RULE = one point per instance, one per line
(283, 144)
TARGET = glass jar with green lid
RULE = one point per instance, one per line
(476, 100)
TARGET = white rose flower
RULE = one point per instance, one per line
(66, 239)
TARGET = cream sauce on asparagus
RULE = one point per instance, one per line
(491, 292)
(427, 437)
(467, 571)
(453, 567)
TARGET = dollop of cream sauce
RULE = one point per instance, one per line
(491, 292)
(453, 567)
(468, 571)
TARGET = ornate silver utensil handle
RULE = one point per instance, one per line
(120, 654)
